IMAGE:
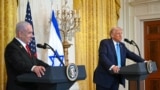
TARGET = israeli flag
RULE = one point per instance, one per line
(55, 42)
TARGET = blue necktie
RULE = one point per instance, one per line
(118, 54)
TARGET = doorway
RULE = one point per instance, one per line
(152, 52)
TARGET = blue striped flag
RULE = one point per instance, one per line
(56, 43)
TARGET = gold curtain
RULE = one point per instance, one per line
(97, 17)
(8, 17)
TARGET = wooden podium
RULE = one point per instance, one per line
(55, 78)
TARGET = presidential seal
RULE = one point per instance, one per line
(149, 66)
(72, 72)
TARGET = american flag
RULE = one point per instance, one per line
(28, 18)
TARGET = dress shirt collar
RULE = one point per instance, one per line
(23, 44)
(115, 42)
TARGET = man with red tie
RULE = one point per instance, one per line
(19, 60)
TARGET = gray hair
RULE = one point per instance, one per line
(21, 26)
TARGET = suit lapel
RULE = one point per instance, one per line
(113, 48)
(122, 53)
(114, 51)
(21, 47)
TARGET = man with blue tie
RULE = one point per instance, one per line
(112, 56)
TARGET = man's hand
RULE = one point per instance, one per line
(39, 70)
(116, 69)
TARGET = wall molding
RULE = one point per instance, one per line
(135, 3)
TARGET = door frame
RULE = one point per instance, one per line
(139, 31)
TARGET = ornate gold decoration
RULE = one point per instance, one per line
(69, 22)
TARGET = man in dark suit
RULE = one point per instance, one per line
(106, 74)
(18, 60)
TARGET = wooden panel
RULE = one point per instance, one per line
(152, 30)
(153, 84)
(152, 51)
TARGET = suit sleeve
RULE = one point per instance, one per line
(40, 62)
(133, 56)
(105, 55)
(16, 59)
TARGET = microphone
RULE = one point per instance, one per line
(130, 42)
(42, 46)
(133, 43)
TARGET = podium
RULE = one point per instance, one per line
(138, 71)
(55, 78)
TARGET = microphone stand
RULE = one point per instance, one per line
(57, 56)
(134, 44)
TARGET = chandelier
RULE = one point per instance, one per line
(69, 23)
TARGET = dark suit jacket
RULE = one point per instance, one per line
(107, 58)
(17, 62)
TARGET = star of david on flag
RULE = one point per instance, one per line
(56, 43)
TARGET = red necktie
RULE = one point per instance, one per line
(28, 49)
